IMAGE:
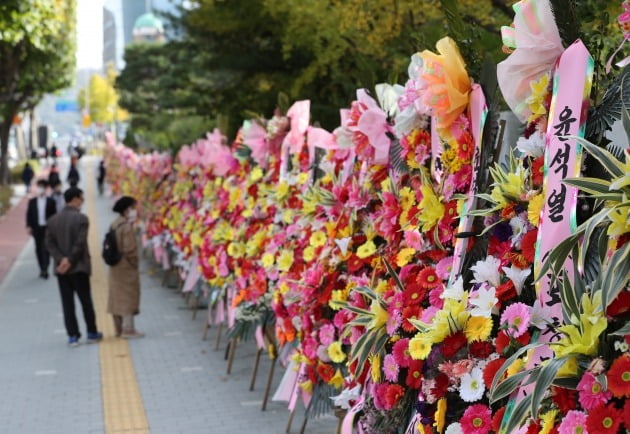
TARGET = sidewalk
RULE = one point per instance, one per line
(50, 388)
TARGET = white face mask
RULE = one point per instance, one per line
(41, 191)
(132, 215)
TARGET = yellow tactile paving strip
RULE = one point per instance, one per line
(123, 409)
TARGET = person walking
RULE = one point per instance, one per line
(73, 174)
(124, 278)
(53, 175)
(57, 195)
(66, 240)
(27, 176)
(40, 208)
(101, 177)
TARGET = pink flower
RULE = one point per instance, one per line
(434, 297)
(592, 392)
(391, 368)
(517, 318)
(413, 239)
(327, 334)
(428, 314)
(573, 421)
(477, 419)
(443, 268)
(393, 322)
(462, 367)
(401, 352)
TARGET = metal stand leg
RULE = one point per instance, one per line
(252, 383)
(269, 381)
(206, 328)
(231, 356)
(290, 421)
(303, 425)
(218, 344)
(196, 306)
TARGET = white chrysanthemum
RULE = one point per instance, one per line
(454, 428)
(534, 146)
(487, 271)
(455, 292)
(483, 301)
(472, 386)
(517, 276)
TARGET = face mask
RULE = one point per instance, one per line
(41, 191)
(132, 215)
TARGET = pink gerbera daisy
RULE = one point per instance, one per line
(327, 334)
(477, 419)
(401, 353)
(391, 368)
(592, 393)
(574, 422)
(517, 318)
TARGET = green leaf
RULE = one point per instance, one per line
(606, 159)
(624, 330)
(589, 185)
(393, 273)
(509, 425)
(508, 363)
(510, 384)
(616, 275)
(547, 374)
(589, 231)
(569, 298)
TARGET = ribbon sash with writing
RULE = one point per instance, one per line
(567, 116)
(478, 112)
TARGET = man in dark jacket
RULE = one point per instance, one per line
(67, 242)
(40, 209)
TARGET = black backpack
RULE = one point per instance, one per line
(111, 254)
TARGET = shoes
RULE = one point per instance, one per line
(73, 341)
(43, 274)
(92, 338)
(134, 334)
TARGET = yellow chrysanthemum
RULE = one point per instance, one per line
(335, 352)
(256, 174)
(375, 367)
(404, 256)
(285, 260)
(236, 250)
(419, 347)
(267, 260)
(308, 254)
(440, 415)
(432, 210)
(302, 178)
(478, 328)
(380, 315)
(317, 239)
(534, 207)
(548, 420)
(366, 249)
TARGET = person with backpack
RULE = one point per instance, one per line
(67, 242)
(120, 252)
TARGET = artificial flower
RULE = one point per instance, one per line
(516, 317)
(483, 301)
(375, 367)
(419, 347)
(432, 210)
(317, 239)
(489, 372)
(534, 207)
(472, 385)
(427, 278)
(604, 419)
(440, 415)
(285, 260)
(335, 352)
(573, 423)
(393, 395)
(455, 291)
(414, 374)
(618, 376)
(404, 256)
(454, 428)
(591, 392)
(548, 421)
(517, 276)
(366, 250)
(487, 271)
(391, 368)
(401, 352)
(477, 419)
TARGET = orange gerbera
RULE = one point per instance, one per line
(619, 377)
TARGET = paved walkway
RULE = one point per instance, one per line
(180, 382)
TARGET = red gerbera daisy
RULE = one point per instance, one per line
(410, 312)
(414, 294)
(528, 245)
(626, 414)
(497, 419)
(414, 375)
(401, 352)
(477, 419)
(440, 386)
(393, 395)
(619, 377)
(428, 278)
(565, 399)
(603, 419)
(452, 344)
(490, 371)
(620, 306)
(481, 349)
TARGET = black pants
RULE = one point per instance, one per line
(43, 257)
(78, 283)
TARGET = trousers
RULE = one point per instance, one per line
(43, 257)
(79, 284)
(123, 323)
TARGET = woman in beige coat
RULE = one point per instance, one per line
(124, 277)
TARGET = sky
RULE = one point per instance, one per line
(89, 34)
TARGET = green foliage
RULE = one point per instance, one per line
(37, 46)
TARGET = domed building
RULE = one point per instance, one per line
(148, 28)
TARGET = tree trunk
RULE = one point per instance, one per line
(5, 129)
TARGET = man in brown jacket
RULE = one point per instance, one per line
(66, 239)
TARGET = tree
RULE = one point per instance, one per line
(37, 48)
(103, 98)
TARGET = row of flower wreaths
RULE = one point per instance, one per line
(386, 279)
